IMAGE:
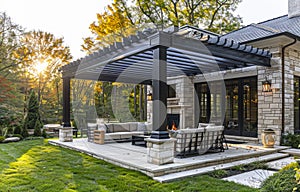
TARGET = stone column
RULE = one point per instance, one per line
(160, 151)
(66, 134)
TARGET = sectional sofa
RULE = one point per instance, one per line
(119, 131)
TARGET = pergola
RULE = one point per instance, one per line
(149, 57)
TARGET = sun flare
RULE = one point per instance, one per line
(40, 67)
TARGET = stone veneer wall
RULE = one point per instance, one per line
(183, 104)
(270, 104)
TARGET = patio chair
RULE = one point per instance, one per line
(188, 141)
(212, 140)
(198, 141)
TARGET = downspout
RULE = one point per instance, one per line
(283, 83)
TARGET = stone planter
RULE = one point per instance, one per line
(268, 138)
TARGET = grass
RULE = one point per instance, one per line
(37, 166)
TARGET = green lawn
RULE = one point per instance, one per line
(37, 166)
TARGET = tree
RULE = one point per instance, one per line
(111, 26)
(123, 18)
(33, 119)
(214, 15)
(11, 115)
(9, 41)
(43, 55)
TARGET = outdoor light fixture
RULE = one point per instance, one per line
(266, 86)
(149, 96)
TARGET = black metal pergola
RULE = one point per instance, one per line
(150, 57)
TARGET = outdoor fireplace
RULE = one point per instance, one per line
(173, 119)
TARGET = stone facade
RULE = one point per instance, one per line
(182, 104)
(160, 151)
(270, 104)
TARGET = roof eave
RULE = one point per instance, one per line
(287, 34)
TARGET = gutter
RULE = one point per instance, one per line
(283, 82)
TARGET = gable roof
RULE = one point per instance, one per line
(267, 28)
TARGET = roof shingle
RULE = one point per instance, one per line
(266, 28)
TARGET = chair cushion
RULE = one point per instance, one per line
(133, 126)
(121, 127)
(109, 127)
(148, 126)
(141, 126)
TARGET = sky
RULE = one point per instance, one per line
(70, 19)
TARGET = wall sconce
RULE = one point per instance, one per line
(149, 96)
(266, 86)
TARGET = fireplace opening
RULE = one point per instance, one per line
(173, 121)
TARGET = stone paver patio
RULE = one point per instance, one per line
(135, 157)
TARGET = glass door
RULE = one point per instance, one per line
(240, 105)
(249, 108)
(232, 108)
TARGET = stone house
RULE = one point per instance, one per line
(247, 110)
(229, 93)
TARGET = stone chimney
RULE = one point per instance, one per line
(294, 8)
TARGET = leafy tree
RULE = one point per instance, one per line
(103, 91)
(10, 113)
(9, 41)
(33, 119)
(11, 99)
(214, 15)
(111, 26)
(43, 55)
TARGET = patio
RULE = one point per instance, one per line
(135, 158)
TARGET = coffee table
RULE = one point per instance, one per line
(139, 140)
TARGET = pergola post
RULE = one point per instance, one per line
(159, 93)
(160, 147)
(66, 102)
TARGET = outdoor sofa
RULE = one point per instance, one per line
(197, 141)
(119, 131)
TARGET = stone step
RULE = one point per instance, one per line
(252, 179)
(280, 163)
(242, 139)
(291, 151)
(204, 170)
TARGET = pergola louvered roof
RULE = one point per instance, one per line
(189, 52)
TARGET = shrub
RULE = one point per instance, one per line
(44, 134)
(218, 173)
(283, 181)
(32, 119)
(1, 139)
(292, 166)
(290, 140)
